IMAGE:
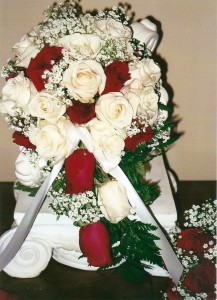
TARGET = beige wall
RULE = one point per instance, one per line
(189, 48)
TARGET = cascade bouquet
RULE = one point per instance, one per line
(195, 246)
(83, 81)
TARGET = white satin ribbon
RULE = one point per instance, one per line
(109, 165)
(171, 261)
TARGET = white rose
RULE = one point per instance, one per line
(113, 201)
(108, 139)
(114, 109)
(27, 173)
(87, 45)
(148, 106)
(46, 106)
(26, 48)
(113, 28)
(146, 71)
(84, 79)
(55, 141)
(17, 93)
(133, 100)
(135, 86)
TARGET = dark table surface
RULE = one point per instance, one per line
(60, 282)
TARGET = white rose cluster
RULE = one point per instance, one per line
(75, 79)
(88, 45)
(145, 74)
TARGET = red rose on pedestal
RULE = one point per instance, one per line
(81, 113)
(201, 279)
(95, 244)
(22, 140)
(132, 142)
(80, 167)
(7, 296)
(41, 63)
(193, 239)
(117, 73)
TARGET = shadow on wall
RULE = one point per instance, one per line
(171, 117)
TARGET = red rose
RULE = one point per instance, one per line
(132, 142)
(193, 239)
(7, 296)
(201, 279)
(21, 140)
(172, 294)
(41, 63)
(80, 167)
(81, 113)
(117, 73)
(94, 242)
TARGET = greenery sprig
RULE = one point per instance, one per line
(133, 242)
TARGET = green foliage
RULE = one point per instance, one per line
(31, 191)
(135, 170)
(100, 176)
(165, 107)
(133, 271)
(134, 242)
(60, 181)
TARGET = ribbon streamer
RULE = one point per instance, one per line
(171, 261)
(23, 229)
(110, 166)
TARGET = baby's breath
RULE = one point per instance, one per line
(9, 69)
(203, 216)
(82, 208)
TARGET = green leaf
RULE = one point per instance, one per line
(134, 241)
(133, 271)
(164, 107)
(31, 191)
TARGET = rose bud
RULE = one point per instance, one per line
(94, 242)
(113, 201)
(80, 167)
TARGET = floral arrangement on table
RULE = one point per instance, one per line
(88, 70)
(196, 248)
